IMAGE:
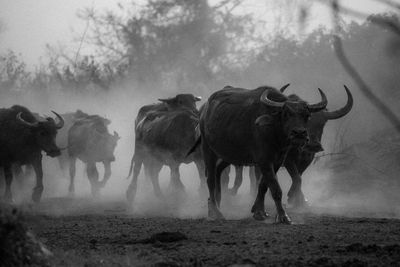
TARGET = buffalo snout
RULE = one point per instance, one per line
(299, 136)
(314, 147)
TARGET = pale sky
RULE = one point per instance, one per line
(28, 25)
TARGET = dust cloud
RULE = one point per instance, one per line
(353, 180)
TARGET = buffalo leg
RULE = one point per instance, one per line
(269, 180)
(225, 179)
(153, 170)
(93, 176)
(107, 173)
(8, 179)
(72, 171)
(18, 174)
(220, 168)
(175, 181)
(210, 160)
(255, 177)
(295, 195)
(238, 180)
(63, 161)
(38, 190)
(202, 174)
(132, 189)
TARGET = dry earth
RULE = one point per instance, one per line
(105, 234)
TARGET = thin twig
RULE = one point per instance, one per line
(80, 44)
(368, 164)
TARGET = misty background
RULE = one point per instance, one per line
(112, 58)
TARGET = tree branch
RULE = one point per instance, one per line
(365, 89)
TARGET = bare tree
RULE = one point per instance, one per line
(368, 92)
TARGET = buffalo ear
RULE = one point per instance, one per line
(264, 120)
(166, 100)
(116, 135)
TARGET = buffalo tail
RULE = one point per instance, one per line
(198, 141)
(131, 168)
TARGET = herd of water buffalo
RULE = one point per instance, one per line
(262, 128)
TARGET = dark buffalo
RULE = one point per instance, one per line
(22, 140)
(252, 127)
(62, 136)
(164, 132)
(90, 141)
(298, 160)
(225, 174)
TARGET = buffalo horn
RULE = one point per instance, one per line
(284, 88)
(264, 98)
(60, 124)
(29, 124)
(321, 105)
(333, 115)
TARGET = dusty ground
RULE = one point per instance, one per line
(106, 234)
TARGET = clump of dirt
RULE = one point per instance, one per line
(373, 248)
(164, 237)
(18, 246)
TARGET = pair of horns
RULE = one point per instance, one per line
(333, 115)
(35, 124)
(312, 107)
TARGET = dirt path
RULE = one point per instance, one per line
(113, 238)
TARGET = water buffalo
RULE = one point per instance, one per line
(62, 136)
(22, 140)
(252, 127)
(90, 141)
(299, 159)
(164, 132)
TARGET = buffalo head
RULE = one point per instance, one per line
(292, 114)
(181, 101)
(45, 133)
(318, 120)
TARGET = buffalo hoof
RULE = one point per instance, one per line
(130, 196)
(298, 203)
(102, 183)
(214, 214)
(95, 191)
(260, 215)
(283, 218)
(8, 199)
(232, 191)
(71, 194)
(71, 191)
(37, 194)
